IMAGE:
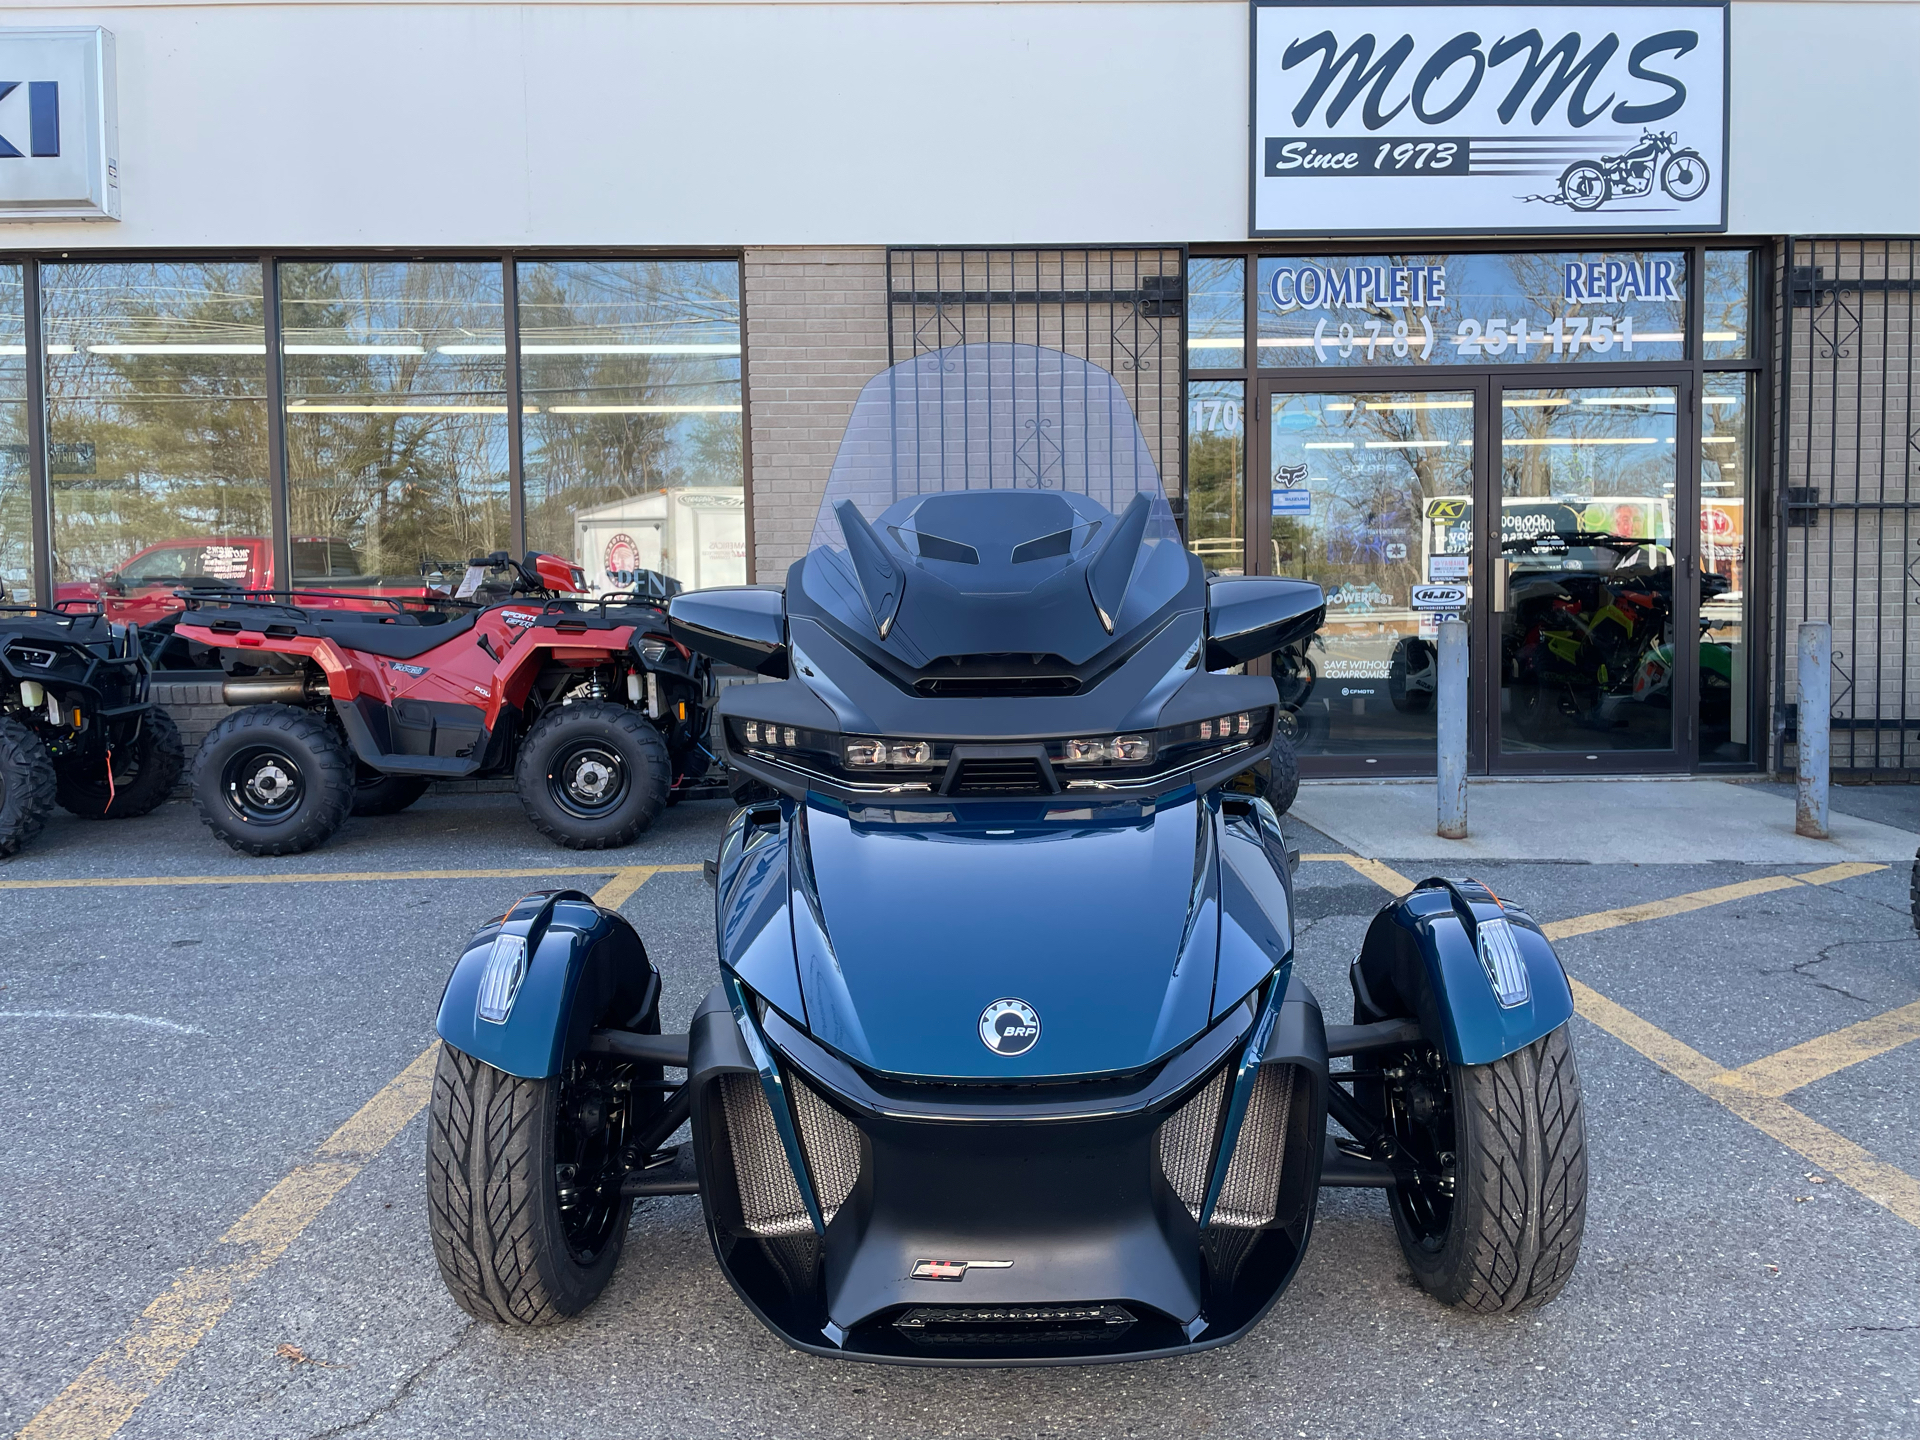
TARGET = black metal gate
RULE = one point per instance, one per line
(1849, 447)
(1123, 310)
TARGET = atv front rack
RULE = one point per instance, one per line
(286, 601)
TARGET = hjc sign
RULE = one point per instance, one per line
(1487, 119)
(59, 142)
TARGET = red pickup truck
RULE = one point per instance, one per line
(142, 590)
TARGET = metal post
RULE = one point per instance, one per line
(1452, 701)
(1814, 713)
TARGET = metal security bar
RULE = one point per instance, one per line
(1848, 502)
(1124, 310)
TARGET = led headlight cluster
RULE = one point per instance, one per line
(864, 753)
(1111, 750)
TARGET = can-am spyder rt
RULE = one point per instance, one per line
(1008, 1062)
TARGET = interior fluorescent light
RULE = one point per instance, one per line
(1719, 440)
(1642, 337)
(602, 349)
(1630, 400)
(13, 349)
(1421, 405)
(301, 407)
(355, 349)
(178, 349)
(1328, 445)
(1233, 344)
(1575, 440)
(1296, 342)
(1404, 444)
(1720, 400)
(1531, 401)
(1338, 405)
(643, 409)
(1720, 335)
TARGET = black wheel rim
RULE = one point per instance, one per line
(1419, 1101)
(593, 1119)
(588, 779)
(263, 784)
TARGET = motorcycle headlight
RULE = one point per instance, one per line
(865, 753)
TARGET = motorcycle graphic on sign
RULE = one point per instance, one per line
(1589, 184)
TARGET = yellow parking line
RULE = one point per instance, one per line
(1386, 878)
(1857, 1166)
(104, 1395)
(337, 876)
(1701, 899)
(1790, 1069)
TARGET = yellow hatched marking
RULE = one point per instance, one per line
(347, 876)
(1701, 899)
(105, 1395)
(1801, 1065)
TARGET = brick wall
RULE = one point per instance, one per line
(816, 332)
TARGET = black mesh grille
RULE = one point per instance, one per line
(1020, 775)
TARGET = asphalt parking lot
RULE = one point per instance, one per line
(195, 1246)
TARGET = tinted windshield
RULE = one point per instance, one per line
(993, 417)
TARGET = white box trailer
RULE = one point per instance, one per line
(696, 534)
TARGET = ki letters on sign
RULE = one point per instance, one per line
(1488, 119)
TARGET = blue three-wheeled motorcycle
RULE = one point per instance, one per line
(1007, 1062)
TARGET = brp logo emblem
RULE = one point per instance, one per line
(1009, 1027)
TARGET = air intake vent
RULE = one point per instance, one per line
(832, 1143)
(770, 1203)
(1185, 1143)
(992, 687)
(1019, 775)
(1014, 1324)
(1252, 1189)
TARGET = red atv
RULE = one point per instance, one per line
(597, 713)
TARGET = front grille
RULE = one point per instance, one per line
(1014, 1324)
(1018, 776)
(995, 687)
(1185, 1142)
(1251, 1191)
(770, 1202)
(832, 1143)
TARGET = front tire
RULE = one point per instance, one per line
(1502, 1231)
(273, 780)
(1411, 677)
(26, 786)
(1684, 176)
(523, 1197)
(593, 775)
(143, 775)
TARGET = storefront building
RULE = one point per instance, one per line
(1592, 325)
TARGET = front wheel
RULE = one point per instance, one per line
(144, 773)
(1498, 1227)
(1584, 186)
(523, 1185)
(1412, 677)
(26, 786)
(273, 780)
(593, 775)
(1283, 785)
(1684, 176)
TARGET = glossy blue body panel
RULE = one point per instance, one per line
(580, 958)
(752, 897)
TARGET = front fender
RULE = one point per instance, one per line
(583, 966)
(1421, 959)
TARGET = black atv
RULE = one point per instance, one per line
(76, 726)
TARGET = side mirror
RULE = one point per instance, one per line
(744, 625)
(1253, 615)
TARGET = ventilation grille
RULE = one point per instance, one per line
(1018, 776)
(832, 1143)
(1185, 1143)
(1252, 1189)
(770, 1202)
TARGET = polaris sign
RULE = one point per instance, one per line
(59, 143)
(1488, 119)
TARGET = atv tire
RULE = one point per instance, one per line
(27, 786)
(495, 1202)
(273, 780)
(1412, 658)
(1507, 1237)
(143, 775)
(376, 793)
(1283, 785)
(592, 775)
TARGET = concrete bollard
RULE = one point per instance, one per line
(1451, 701)
(1814, 709)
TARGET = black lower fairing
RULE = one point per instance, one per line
(1089, 1190)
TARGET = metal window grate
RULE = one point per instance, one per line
(1121, 309)
(1849, 538)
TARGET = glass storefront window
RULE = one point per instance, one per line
(16, 475)
(1216, 313)
(156, 428)
(1584, 579)
(1354, 479)
(396, 413)
(1726, 487)
(630, 376)
(1728, 298)
(1217, 473)
(1466, 309)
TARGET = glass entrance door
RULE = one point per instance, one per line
(1589, 593)
(1370, 496)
